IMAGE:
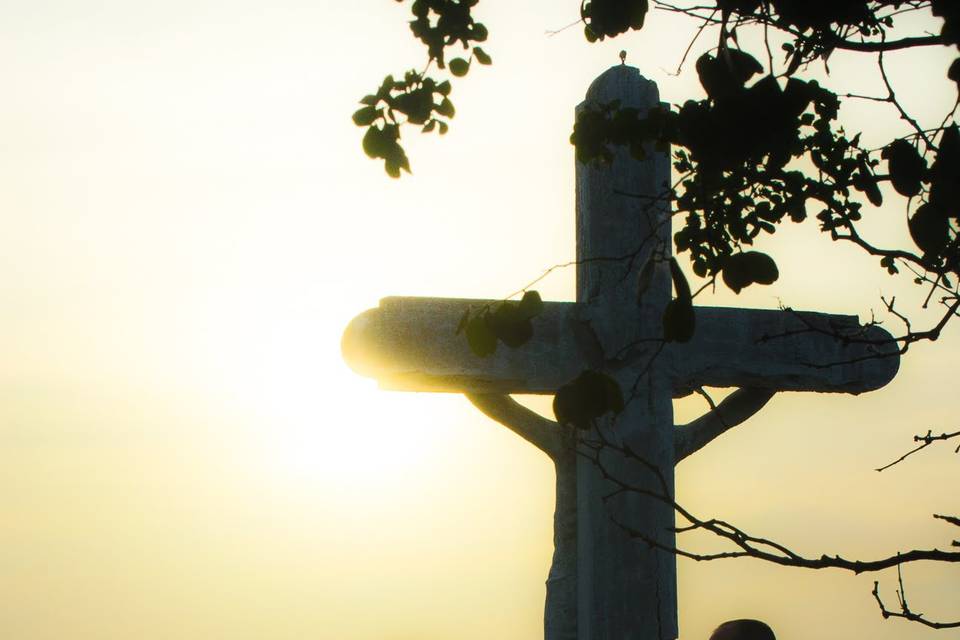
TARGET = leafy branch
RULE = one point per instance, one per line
(743, 151)
(419, 99)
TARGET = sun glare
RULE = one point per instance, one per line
(319, 420)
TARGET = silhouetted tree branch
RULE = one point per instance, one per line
(747, 545)
(926, 441)
(905, 612)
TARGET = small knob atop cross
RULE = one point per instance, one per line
(623, 57)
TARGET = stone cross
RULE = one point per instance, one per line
(604, 585)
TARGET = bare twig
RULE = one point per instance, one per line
(926, 441)
(745, 545)
(905, 612)
(896, 103)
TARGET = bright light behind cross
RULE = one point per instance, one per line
(322, 423)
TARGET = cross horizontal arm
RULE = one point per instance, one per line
(410, 344)
(783, 350)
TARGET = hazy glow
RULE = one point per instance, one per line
(189, 224)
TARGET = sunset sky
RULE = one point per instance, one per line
(189, 223)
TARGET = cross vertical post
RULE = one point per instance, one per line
(627, 590)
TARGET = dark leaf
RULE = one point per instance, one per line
(364, 117)
(795, 60)
(591, 395)
(865, 181)
(678, 317)
(531, 305)
(929, 229)
(743, 269)
(459, 67)
(402, 160)
(481, 56)
(376, 143)
(510, 325)
(797, 96)
(950, 145)
(416, 104)
(741, 64)
(762, 268)
(479, 32)
(945, 172)
(679, 320)
(392, 167)
(906, 166)
(566, 408)
(479, 336)
(680, 284)
(727, 73)
(743, 7)
(445, 108)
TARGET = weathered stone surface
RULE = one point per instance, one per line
(782, 351)
(627, 590)
(409, 344)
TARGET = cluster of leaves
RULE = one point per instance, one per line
(735, 152)
(508, 322)
(816, 16)
(419, 99)
(579, 403)
(415, 100)
(732, 150)
(593, 394)
(609, 18)
(933, 225)
(439, 24)
(818, 28)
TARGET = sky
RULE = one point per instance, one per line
(188, 224)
